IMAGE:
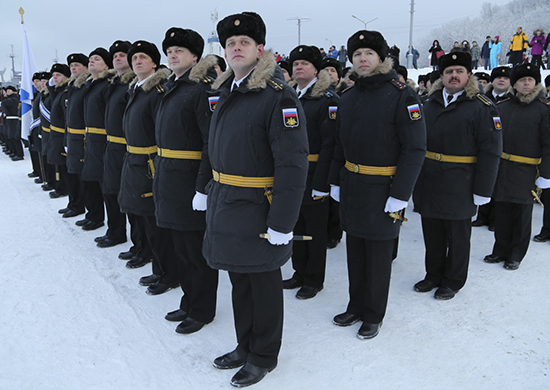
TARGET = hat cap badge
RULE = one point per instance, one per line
(173, 33)
(454, 56)
(139, 44)
(237, 22)
(301, 49)
(361, 36)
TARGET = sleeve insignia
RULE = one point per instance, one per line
(332, 110)
(498, 124)
(290, 117)
(414, 112)
(212, 101)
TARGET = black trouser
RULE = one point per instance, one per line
(486, 213)
(49, 169)
(309, 258)
(35, 161)
(140, 246)
(545, 199)
(160, 239)
(516, 57)
(512, 230)
(334, 229)
(258, 314)
(447, 243)
(198, 281)
(369, 273)
(61, 179)
(93, 201)
(116, 220)
(537, 61)
(16, 146)
(75, 191)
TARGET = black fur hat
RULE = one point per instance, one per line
(457, 58)
(547, 81)
(483, 76)
(368, 39)
(433, 76)
(36, 76)
(189, 39)
(45, 76)
(144, 47)
(246, 23)
(524, 70)
(61, 68)
(285, 65)
(403, 72)
(334, 63)
(117, 46)
(501, 71)
(306, 53)
(105, 55)
(77, 57)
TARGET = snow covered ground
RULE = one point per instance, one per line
(72, 316)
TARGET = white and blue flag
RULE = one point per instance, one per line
(27, 88)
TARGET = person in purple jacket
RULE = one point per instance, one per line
(537, 44)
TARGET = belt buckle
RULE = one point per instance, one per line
(506, 156)
(216, 176)
(355, 168)
(437, 157)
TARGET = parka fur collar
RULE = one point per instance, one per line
(321, 85)
(62, 84)
(158, 77)
(385, 67)
(528, 98)
(106, 74)
(79, 81)
(127, 76)
(200, 70)
(470, 90)
(265, 68)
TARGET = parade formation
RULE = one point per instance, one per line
(243, 164)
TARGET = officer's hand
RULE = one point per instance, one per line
(199, 201)
(277, 238)
(543, 183)
(481, 200)
(318, 194)
(335, 192)
(393, 205)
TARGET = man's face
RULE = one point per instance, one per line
(97, 64)
(43, 84)
(77, 69)
(455, 78)
(501, 84)
(333, 74)
(365, 61)
(37, 84)
(143, 65)
(242, 53)
(180, 59)
(303, 72)
(120, 62)
(482, 82)
(519, 30)
(58, 78)
(286, 75)
(525, 85)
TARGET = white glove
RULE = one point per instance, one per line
(481, 200)
(199, 201)
(335, 192)
(66, 150)
(50, 82)
(542, 183)
(278, 238)
(393, 205)
(315, 193)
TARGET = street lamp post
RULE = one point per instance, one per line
(300, 20)
(362, 21)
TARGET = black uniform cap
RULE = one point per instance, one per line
(119, 46)
(77, 57)
(61, 68)
(501, 71)
(525, 70)
(307, 53)
(329, 61)
(45, 76)
(285, 65)
(36, 76)
(246, 23)
(370, 40)
(144, 47)
(189, 39)
(483, 76)
(458, 58)
(105, 55)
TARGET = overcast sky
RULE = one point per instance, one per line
(70, 26)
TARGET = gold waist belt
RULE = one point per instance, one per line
(141, 149)
(370, 170)
(46, 129)
(521, 159)
(57, 129)
(453, 159)
(313, 157)
(181, 154)
(242, 181)
(95, 130)
(116, 140)
(77, 131)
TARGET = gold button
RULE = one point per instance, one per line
(506, 156)
(356, 168)
(216, 176)
(237, 22)
(437, 157)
